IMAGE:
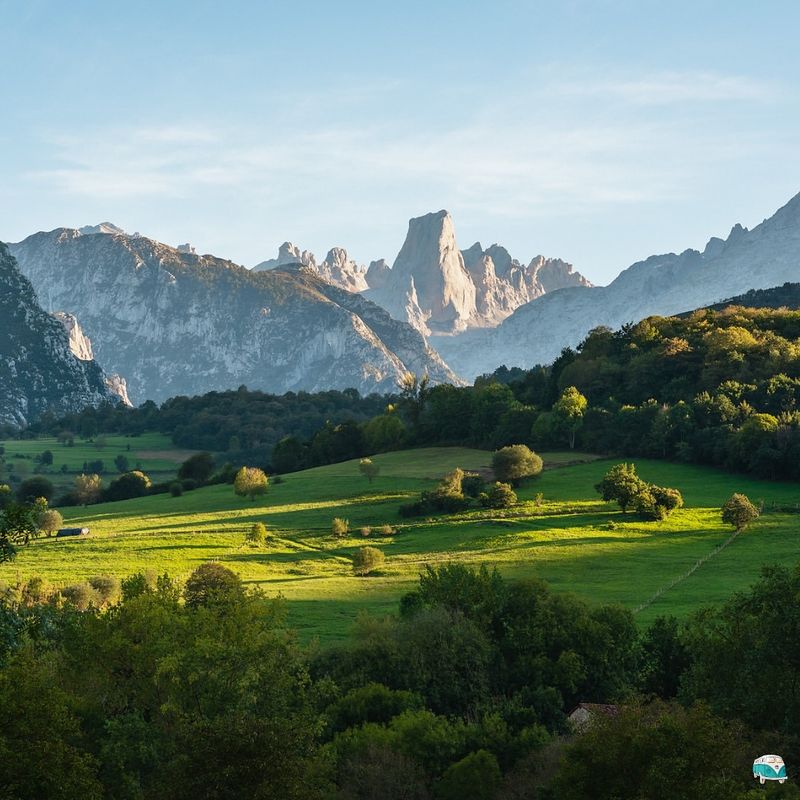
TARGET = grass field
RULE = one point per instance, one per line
(152, 452)
(574, 540)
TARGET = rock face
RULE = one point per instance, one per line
(337, 268)
(433, 286)
(38, 371)
(767, 256)
(179, 323)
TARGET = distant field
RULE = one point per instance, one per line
(152, 452)
(569, 540)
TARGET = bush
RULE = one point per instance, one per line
(500, 495)
(80, 595)
(477, 777)
(368, 468)
(127, 486)
(176, 488)
(340, 527)
(621, 483)
(36, 590)
(513, 463)
(739, 511)
(189, 484)
(107, 587)
(367, 559)
(657, 502)
(197, 467)
(257, 535)
(388, 530)
(366, 531)
(472, 485)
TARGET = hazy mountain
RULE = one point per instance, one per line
(38, 371)
(767, 256)
(175, 322)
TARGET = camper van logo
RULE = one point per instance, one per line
(769, 768)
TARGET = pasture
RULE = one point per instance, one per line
(572, 539)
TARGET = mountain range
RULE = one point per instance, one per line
(174, 322)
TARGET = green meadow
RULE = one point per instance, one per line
(572, 539)
(154, 453)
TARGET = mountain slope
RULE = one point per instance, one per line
(174, 322)
(767, 256)
(38, 371)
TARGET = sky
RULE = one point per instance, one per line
(598, 132)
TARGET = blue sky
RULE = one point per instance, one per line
(599, 132)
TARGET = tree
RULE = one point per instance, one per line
(250, 482)
(257, 535)
(107, 587)
(211, 584)
(45, 458)
(197, 467)
(657, 502)
(49, 521)
(66, 439)
(367, 559)
(621, 483)
(121, 463)
(739, 511)
(500, 495)
(36, 486)
(368, 468)
(289, 455)
(569, 410)
(88, 488)
(127, 486)
(17, 527)
(340, 527)
(513, 463)
(476, 777)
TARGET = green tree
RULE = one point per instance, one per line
(211, 584)
(121, 462)
(289, 455)
(367, 560)
(621, 483)
(197, 467)
(569, 410)
(513, 463)
(368, 468)
(49, 521)
(45, 458)
(127, 486)
(250, 482)
(88, 488)
(384, 433)
(476, 777)
(17, 527)
(33, 487)
(664, 658)
(739, 512)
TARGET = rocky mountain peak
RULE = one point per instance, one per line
(103, 227)
(79, 343)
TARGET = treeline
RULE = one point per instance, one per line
(154, 689)
(718, 388)
(243, 424)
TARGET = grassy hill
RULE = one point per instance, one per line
(152, 452)
(573, 540)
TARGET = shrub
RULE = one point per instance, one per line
(538, 499)
(500, 495)
(107, 587)
(367, 559)
(388, 530)
(472, 484)
(340, 527)
(739, 511)
(513, 463)
(189, 484)
(250, 482)
(657, 502)
(211, 584)
(121, 463)
(80, 595)
(197, 467)
(257, 535)
(621, 483)
(477, 776)
(366, 531)
(176, 488)
(36, 590)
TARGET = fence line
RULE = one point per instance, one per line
(699, 563)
